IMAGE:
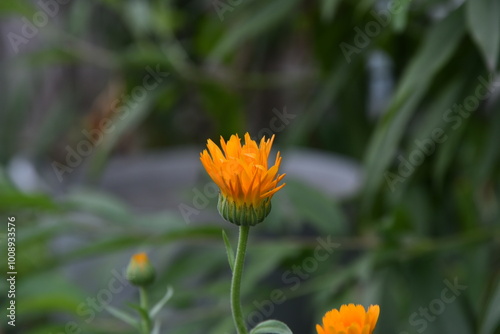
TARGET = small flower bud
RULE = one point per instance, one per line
(140, 272)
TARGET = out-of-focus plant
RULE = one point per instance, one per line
(141, 273)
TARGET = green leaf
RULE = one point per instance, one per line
(491, 320)
(47, 293)
(229, 250)
(491, 154)
(99, 204)
(156, 328)
(18, 200)
(214, 95)
(430, 58)
(319, 107)
(433, 119)
(447, 152)
(316, 207)
(143, 313)
(271, 327)
(328, 9)
(484, 25)
(266, 258)
(154, 311)
(400, 18)
(123, 316)
(16, 7)
(252, 25)
(139, 17)
(125, 241)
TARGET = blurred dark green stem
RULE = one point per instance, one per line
(239, 322)
(146, 323)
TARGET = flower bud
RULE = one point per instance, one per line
(140, 272)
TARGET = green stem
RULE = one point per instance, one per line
(239, 322)
(146, 323)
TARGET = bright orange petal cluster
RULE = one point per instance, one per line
(351, 319)
(241, 171)
(140, 259)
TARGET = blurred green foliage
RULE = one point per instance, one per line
(412, 228)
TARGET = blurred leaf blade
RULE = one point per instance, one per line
(271, 327)
(414, 83)
(229, 250)
(252, 25)
(491, 322)
(484, 26)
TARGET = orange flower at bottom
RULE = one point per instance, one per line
(351, 319)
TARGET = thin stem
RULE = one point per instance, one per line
(239, 322)
(146, 323)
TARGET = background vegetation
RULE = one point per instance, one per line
(369, 86)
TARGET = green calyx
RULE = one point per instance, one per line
(243, 215)
(140, 274)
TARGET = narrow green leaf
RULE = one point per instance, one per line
(447, 152)
(491, 155)
(316, 207)
(400, 18)
(143, 313)
(213, 95)
(99, 204)
(363, 7)
(139, 17)
(19, 200)
(154, 311)
(266, 257)
(484, 26)
(328, 9)
(16, 7)
(156, 328)
(229, 250)
(122, 315)
(57, 295)
(491, 321)
(252, 25)
(430, 58)
(271, 327)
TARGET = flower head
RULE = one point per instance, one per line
(245, 181)
(351, 319)
(140, 272)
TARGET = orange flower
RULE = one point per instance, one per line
(351, 319)
(246, 182)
